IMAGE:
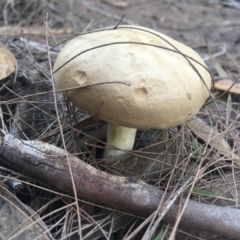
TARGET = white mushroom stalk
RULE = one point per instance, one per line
(119, 137)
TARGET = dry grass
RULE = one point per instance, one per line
(29, 112)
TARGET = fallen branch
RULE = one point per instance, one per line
(47, 164)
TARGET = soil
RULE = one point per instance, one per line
(211, 27)
(208, 27)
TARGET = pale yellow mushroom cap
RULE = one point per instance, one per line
(164, 90)
(8, 62)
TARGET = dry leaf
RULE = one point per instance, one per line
(212, 137)
(8, 63)
(225, 84)
(19, 221)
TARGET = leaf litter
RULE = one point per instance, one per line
(163, 158)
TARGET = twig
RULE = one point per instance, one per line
(217, 54)
(229, 3)
(149, 234)
(61, 132)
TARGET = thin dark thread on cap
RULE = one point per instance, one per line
(119, 22)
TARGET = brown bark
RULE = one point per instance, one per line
(48, 164)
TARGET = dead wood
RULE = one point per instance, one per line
(48, 164)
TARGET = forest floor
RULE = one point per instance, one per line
(210, 27)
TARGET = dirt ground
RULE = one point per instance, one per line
(206, 26)
(210, 27)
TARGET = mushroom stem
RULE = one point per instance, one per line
(119, 137)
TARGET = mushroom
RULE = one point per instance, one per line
(140, 79)
(8, 63)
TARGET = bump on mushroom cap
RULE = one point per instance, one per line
(164, 90)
